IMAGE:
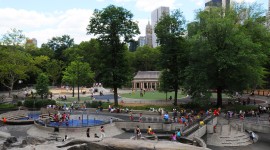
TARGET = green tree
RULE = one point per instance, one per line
(114, 26)
(14, 65)
(54, 70)
(78, 73)
(59, 45)
(226, 53)
(165, 82)
(170, 30)
(13, 37)
(146, 59)
(42, 85)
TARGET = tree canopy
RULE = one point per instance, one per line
(114, 26)
(170, 30)
(227, 52)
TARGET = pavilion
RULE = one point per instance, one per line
(146, 80)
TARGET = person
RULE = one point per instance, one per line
(252, 136)
(166, 117)
(131, 116)
(201, 123)
(102, 130)
(111, 121)
(88, 132)
(173, 137)
(170, 98)
(140, 117)
(138, 132)
(174, 115)
(149, 131)
(96, 136)
(178, 134)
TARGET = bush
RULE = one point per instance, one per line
(38, 103)
(7, 106)
(94, 104)
(19, 103)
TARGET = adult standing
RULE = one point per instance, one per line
(102, 130)
(88, 132)
(138, 132)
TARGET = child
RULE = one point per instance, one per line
(173, 137)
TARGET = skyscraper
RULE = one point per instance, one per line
(148, 35)
(155, 17)
(217, 3)
(142, 41)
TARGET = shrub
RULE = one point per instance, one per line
(94, 104)
(7, 106)
(38, 103)
(19, 103)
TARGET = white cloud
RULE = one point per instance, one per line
(150, 5)
(44, 26)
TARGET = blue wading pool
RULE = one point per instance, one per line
(30, 116)
(76, 123)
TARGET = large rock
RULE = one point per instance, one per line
(9, 141)
(32, 141)
(127, 144)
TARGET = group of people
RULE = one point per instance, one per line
(61, 117)
(102, 133)
(188, 117)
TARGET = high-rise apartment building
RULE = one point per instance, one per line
(155, 17)
(142, 41)
(148, 35)
(217, 3)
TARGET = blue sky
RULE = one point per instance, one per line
(44, 19)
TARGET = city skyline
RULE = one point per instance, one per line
(43, 20)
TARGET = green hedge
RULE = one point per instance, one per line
(7, 106)
(30, 103)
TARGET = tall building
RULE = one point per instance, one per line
(148, 35)
(217, 3)
(155, 17)
(132, 45)
(142, 41)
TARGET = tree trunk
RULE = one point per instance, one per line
(175, 96)
(73, 86)
(115, 96)
(166, 96)
(78, 92)
(9, 92)
(219, 97)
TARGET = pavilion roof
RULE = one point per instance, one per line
(147, 75)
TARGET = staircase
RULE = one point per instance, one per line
(228, 135)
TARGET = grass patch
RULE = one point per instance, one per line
(7, 106)
(155, 95)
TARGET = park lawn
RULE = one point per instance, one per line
(74, 99)
(155, 95)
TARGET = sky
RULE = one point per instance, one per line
(44, 19)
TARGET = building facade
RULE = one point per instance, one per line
(155, 17)
(217, 3)
(141, 41)
(146, 80)
(148, 35)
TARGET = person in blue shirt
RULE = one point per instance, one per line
(166, 116)
(178, 134)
